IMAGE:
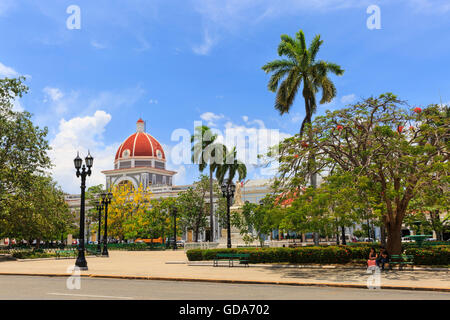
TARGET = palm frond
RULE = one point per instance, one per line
(314, 47)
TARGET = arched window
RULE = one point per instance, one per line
(126, 185)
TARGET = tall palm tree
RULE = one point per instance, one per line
(300, 66)
(231, 165)
(204, 154)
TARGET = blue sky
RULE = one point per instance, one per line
(174, 62)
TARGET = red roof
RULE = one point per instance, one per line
(140, 144)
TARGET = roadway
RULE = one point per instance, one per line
(55, 288)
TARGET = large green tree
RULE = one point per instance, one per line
(397, 148)
(23, 146)
(38, 212)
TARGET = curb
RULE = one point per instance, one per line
(300, 284)
(194, 264)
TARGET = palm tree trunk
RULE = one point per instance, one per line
(313, 179)
(211, 209)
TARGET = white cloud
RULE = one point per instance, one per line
(54, 94)
(98, 45)
(211, 117)
(153, 101)
(348, 99)
(206, 46)
(81, 134)
(229, 16)
(250, 140)
(7, 72)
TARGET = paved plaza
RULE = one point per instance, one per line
(171, 265)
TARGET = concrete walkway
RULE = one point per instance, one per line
(170, 265)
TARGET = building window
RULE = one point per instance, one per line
(126, 153)
(153, 178)
(164, 180)
(126, 185)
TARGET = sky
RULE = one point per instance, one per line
(174, 62)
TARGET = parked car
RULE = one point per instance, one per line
(180, 243)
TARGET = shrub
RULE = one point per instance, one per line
(430, 256)
(323, 255)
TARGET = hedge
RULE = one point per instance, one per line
(322, 255)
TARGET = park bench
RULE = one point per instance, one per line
(91, 251)
(243, 258)
(401, 260)
(60, 253)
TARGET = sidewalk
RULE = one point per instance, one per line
(170, 265)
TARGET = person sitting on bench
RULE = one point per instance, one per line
(383, 258)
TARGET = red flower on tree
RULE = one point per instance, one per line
(400, 129)
(417, 110)
(304, 144)
(339, 127)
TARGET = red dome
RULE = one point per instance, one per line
(140, 144)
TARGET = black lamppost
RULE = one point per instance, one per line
(174, 213)
(228, 189)
(81, 260)
(99, 235)
(106, 199)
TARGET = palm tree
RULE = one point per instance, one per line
(300, 66)
(204, 154)
(231, 166)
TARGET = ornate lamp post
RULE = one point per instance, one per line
(174, 213)
(228, 189)
(106, 199)
(78, 162)
(99, 206)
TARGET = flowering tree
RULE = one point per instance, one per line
(127, 210)
(397, 148)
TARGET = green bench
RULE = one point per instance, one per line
(401, 260)
(243, 258)
(60, 253)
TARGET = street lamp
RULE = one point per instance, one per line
(78, 162)
(106, 199)
(174, 213)
(99, 206)
(228, 189)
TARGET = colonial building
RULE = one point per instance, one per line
(140, 159)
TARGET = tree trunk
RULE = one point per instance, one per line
(211, 209)
(344, 241)
(383, 234)
(394, 238)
